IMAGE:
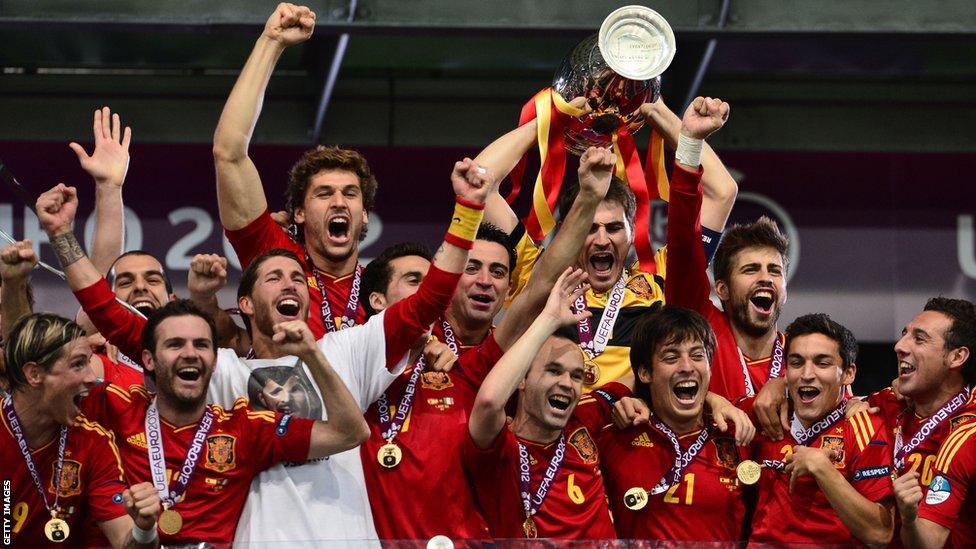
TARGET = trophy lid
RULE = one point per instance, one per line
(636, 42)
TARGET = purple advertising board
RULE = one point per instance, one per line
(874, 234)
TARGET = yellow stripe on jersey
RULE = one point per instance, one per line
(240, 402)
(141, 391)
(262, 416)
(120, 392)
(89, 425)
(863, 429)
(952, 444)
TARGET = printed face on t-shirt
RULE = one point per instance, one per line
(332, 214)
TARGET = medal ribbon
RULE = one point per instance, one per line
(157, 459)
(593, 344)
(775, 369)
(927, 428)
(449, 339)
(389, 428)
(530, 504)
(681, 460)
(14, 421)
(349, 315)
(803, 436)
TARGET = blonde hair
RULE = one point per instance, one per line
(38, 338)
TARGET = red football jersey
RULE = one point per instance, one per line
(948, 496)
(576, 505)
(408, 501)
(705, 506)
(241, 444)
(688, 286)
(90, 489)
(261, 235)
(863, 456)
(119, 373)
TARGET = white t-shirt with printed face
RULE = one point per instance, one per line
(323, 499)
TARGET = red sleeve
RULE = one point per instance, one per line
(278, 437)
(120, 326)
(687, 282)
(870, 468)
(955, 470)
(106, 481)
(595, 410)
(408, 319)
(257, 236)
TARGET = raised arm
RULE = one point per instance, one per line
(499, 158)
(56, 210)
(346, 427)
(240, 195)
(409, 318)
(207, 276)
(107, 165)
(16, 263)
(488, 415)
(720, 188)
(595, 171)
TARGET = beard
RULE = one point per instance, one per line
(740, 317)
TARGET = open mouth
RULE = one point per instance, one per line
(144, 306)
(763, 300)
(807, 394)
(559, 402)
(188, 374)
(601, 261)
(288, 307)
(484, 300)
(78, 397)
(338, 227)
(905, 368)
(686, 391)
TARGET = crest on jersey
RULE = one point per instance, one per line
(640, 287)
(70, 484)
(725, 454)
(220, 453)
(580, 439)
(835, 448)
(436, 381)
(959, 420)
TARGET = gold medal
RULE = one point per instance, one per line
(56, 530)
(636, 498)
(389, 455)
(529, 528)
(591, 373)
(170, 522)
(748, 472)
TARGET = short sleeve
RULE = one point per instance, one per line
(955, 468)
(276, 437)
(106, 481)
(870, 467)
(258, 236)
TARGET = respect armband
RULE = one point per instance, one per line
(464, 223)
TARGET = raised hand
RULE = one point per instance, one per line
(630, 411)
(294, 338)
(208, 274)
(908, 494)
(568, 288)
(596, 169)
(290, 24)
(704, 117)
(17, 260)
(56, 209)
(471, 181)
(439, 356)
(143, 504)
(109, 161)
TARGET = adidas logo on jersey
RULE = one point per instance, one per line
(642, 440)
(138, 439)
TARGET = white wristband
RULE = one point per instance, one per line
(143, 536)
(689, 151)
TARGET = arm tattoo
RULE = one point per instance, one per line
(67, 249)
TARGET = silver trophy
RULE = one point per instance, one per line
(612, 73)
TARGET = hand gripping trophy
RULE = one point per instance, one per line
(595, 100)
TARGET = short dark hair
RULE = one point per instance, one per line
(39, 338)
(492, 233)
(618, 192)
(250, 276)
(820, 323)
(962, 332)
(665, 325)
(324, 158)
(177, 307)
(110, 276)
(761, 233)
(377, 275)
